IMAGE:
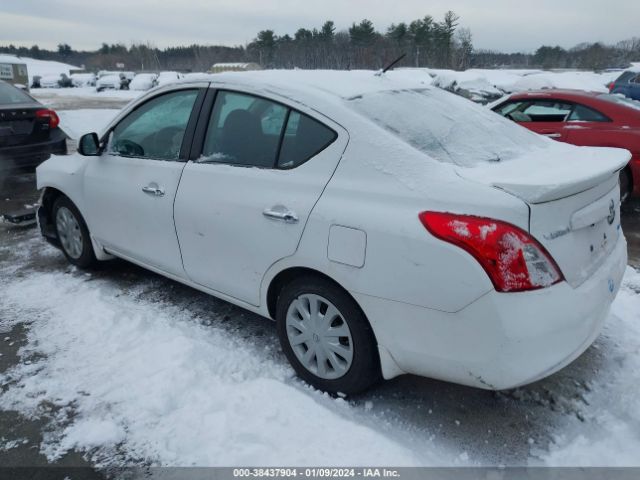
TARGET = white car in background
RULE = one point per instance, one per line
(387, 227)
(50, 81)
(83, 79)
(109, 82)
(166, 78)
(143, 81)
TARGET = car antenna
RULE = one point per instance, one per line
(390, 66)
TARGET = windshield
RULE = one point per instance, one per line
(447, 127)
(10, 95)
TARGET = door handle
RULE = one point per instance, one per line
(150, 189)
(280, 212)
(552, 135)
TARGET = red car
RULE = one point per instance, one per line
(582, 118)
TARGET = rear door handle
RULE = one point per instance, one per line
(282, 213)
(552, 135)
(153, 190)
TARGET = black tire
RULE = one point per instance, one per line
(364, 371)
(626, 185)
(87, 258)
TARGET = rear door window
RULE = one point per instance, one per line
(585, 114)
(304, 138)
(247, 130)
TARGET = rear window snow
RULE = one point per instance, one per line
(446, 127)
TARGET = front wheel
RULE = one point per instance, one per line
(326, 337)
(73, 234)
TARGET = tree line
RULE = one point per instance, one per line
(585, 56)
(425, 42)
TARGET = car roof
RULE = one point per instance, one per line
(617, 111)
(563, 94)
(313, 86)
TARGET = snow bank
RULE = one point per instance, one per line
(485, 85)
(88, 93)
(589, 81)
(128, 375)
(481, 84)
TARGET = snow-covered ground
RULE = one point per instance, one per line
(75, 123)
(132, 368)
(84, 92)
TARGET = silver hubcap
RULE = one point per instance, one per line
(319, 336)
(69, 232)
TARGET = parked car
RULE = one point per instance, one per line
(584, 119)
(387, 227)
(50, 81)
(29, 131)
(143, 81)
(165, 78)
(627, 84)
(83, 79)
(110, 82)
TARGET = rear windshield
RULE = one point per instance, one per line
(620, 100)
(10, 95)
(625, 77)
(447, 127)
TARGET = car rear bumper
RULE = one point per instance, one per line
(32, 154)
(502, 340)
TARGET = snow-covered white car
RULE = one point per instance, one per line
(143, 81)
(165, 78)
(50, 81)
(83, 79)
(109, 82)
(386, 227)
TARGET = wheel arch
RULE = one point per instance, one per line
(45, 219)
(386, 363)
(286, 276)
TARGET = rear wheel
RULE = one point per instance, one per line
(626, 185)
(73, 234)
(326, 337)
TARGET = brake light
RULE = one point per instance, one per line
(513, 259)
(50, 115)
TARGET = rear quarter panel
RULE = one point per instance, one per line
(380, 188)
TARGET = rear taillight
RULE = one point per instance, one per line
(513, 259)
(49, 115)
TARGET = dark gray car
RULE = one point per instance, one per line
(29, 131)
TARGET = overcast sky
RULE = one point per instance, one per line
(506, 25)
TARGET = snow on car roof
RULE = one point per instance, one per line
(339, 84)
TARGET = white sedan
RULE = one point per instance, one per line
(388, 227)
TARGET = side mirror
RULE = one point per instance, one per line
(89, 145)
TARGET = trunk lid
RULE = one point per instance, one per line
(19, 125)
(573, 198)
(551, 173)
